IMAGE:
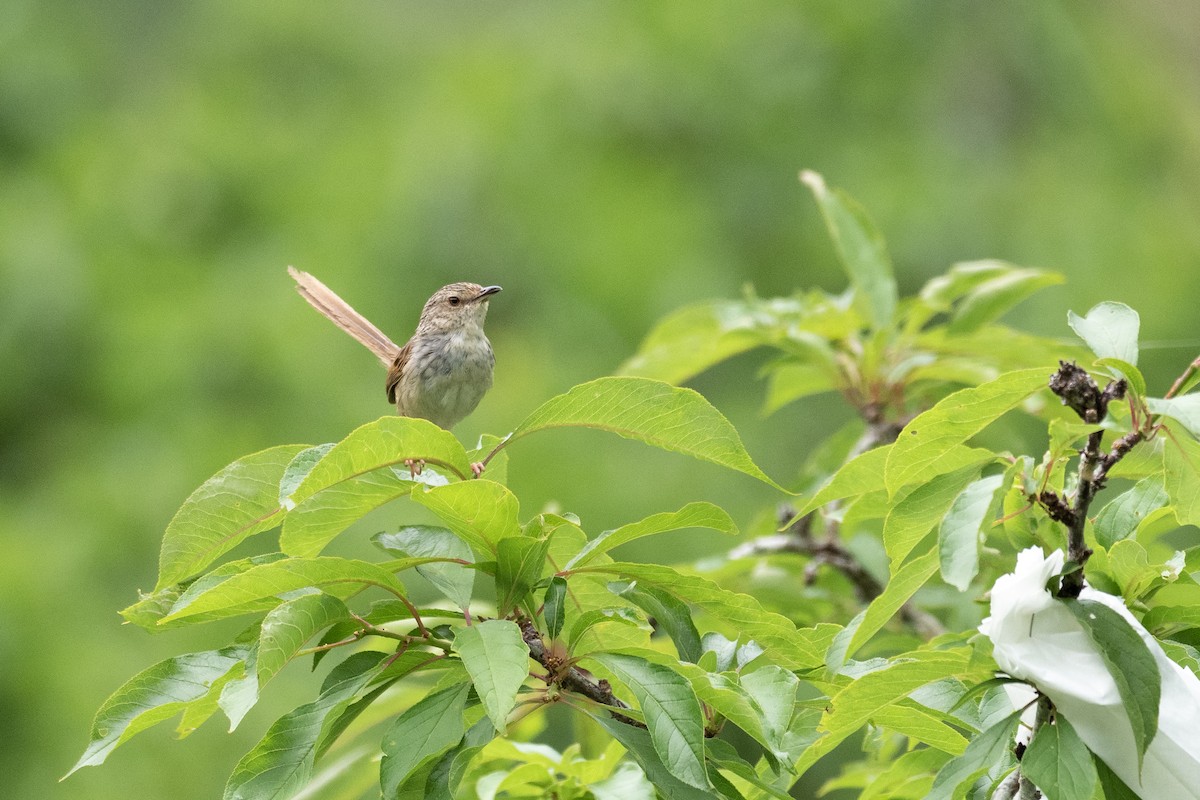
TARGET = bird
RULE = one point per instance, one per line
(444, 369)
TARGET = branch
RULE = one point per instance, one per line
(1077, 390)
(1026, 789)
(829, 550)
(571, 679)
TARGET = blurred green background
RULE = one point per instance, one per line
(161, 164)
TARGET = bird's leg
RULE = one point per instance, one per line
(415, 465)
(477, 468)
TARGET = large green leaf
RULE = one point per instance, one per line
(480, 512)
(913, 517)
(427, 729)
(310, 526)
(283, 632)
(694, 338)
(239, 501)
(640, 746)
(346, 473)
(1120, 518)
(1181, 465)
(791, 381)
(961, 533)
(854, 705)
(984, 752)
(671, 711)
(497, 659)
(861, 249)
(1130, 663)
(386, 442)
(858, 476)
(693, 515)
(288, 575)
(455, 581)
(671, 615)
(931, 435)
(554, 606)
(798, 648)
(1110, 330)
(1185, 409)
(990, 299)
(158, 693)
(520, 561)
(921, 725)
(282, 761)
(675, 419)
(901, 586)
(1059, 763)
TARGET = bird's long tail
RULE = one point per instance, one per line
(322, 298)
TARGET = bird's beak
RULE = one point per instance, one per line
(486, 292)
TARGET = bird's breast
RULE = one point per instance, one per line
(446, 376)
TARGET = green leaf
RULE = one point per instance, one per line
(386, 442)
(357, 475)
(985, 751)
(902, 585)
(427, 729)
(858, 476)
(693, 515)
(1181, 465)
(694, 338)
(791, 381)
(1114, 788)
(1120, 518)
(298, 469)
(922, 725)
(156, 694)
(238, 502)
(1110, 330)
(455, 581)
(671, 711)
(861, 249)
(288, 626)
(316, 521)
(789, 646)
(1130, 663)
(553, 606)
(479, 512)
(940, 292)
(497, 659)
(1185, 410)
(914, 516)
(447, 774)
(1123, 369)
(283, 632)
(1059, 763)
(287, 575)
(656, 413)
(931, 435)
(640, 746)
(963, 528)
(854, 705)
(988, 301)
(671, 615)
(773, 690)
(282, 761)
(520, 561)
(724, 756)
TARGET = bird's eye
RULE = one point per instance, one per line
(454, 300)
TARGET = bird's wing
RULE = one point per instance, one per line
(396, 371)
(322, 298)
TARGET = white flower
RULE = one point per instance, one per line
(1036, 638)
